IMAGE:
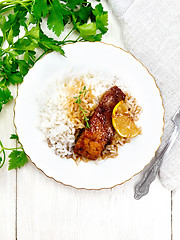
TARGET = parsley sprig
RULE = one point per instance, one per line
(23, 37)
(18, 51)
(17, 157)
(79, 101)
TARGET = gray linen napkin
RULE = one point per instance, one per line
(151, 32)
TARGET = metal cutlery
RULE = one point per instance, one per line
(142, 188)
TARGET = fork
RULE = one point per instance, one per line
(142, 188)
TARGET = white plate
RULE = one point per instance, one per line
(132, 156)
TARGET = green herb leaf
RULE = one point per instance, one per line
(29, 57)
(101, 18)
(14, 136)
(87, 29)
(1, 41)
(83, 14)
(102, 22)
(15, 78)
(40, 8)
(25, 44)
(74, 3)
(50, 44)
(98, 9)
(23, 67)
(20, 54)
(34, 32)
(17, 159)
(10, 36)
(5, 96)
(55, 20)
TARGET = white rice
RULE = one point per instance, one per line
(58, 129)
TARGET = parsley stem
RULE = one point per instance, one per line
(4, 158)
(60, 43)
(70, 41)
(68, 34)
(44, 53)
(8, 5)
(2, 85)
(8, 2)
(4, 155)
(4, 148)
(78, 38)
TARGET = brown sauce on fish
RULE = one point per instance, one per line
(92, 140)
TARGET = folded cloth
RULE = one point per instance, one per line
(151, 32)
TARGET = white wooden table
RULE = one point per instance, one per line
(33, 206)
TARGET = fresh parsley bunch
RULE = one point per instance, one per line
(18, 53)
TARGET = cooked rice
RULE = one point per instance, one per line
(60, 117)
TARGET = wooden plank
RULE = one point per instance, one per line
(114, 34)
(175, 214)
(49, 210)
(7, 178)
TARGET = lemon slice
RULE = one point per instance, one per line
(122, 122)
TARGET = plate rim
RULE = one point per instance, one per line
(119, 184)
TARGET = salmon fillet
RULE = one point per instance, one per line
(92, 140)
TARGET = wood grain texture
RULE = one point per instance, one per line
(49, 210)
(175, 214)
(7, 179)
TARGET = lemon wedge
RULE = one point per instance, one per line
(122, 122)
